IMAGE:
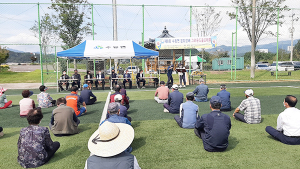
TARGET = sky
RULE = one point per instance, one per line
(16, 20)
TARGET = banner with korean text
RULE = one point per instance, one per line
(186, 43)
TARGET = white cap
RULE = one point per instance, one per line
(175, 86)
(249, 92)
(118, 97)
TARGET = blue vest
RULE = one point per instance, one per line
(189, 114)
(121, 161)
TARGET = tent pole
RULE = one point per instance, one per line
(56, 69)
(158, 71)
(110, 73)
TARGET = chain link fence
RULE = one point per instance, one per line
(27, 27)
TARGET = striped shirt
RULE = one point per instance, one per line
(252, 110)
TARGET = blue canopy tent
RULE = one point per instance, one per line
(94, 49)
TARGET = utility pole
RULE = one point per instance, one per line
(292, 29)
(115, 35)
(252, 74)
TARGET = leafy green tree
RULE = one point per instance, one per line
(297, 51)
(4, 54)
(259, 56)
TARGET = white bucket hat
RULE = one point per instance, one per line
(111, 139)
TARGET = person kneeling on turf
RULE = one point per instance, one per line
(188, 113)
(213, 128)
(288, 126)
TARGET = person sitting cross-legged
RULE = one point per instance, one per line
(162, 92)
(201, 92)
(124, 102)
(288, 126)
(35, 146)
(3, 101)
(213, 128)
(44, 99)
(174, 101)
(114, 110)
(86, 95)
(108, 147)
(225, 97)
(123, 109)
(64, 121)
(26, 103)
(251, 108)
(74, 101)
(188, 113)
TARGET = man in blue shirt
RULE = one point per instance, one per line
(201, 92)
(169, 74)
(188, 113)
(225, 97)
(127, 75)
(174, 101)
(86, 95)
(213, 128)
(114, 110)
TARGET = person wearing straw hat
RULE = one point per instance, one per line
(188, 113)
(225, 97)
(251, 108)
(174, 101)
(44, 99)
(213, 128)
(107, 146)
(3, 101)
(113, 110)
(123, 109)
(26, 103)
(201, 91)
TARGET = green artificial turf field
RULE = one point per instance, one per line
(159, 142)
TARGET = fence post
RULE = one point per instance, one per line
(40, 44)
(277, 41)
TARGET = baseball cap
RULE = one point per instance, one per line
(215, 99)
(85, 85)
(222, 86)
(118, 97)
(249, 92)
(113, 107)
(175, 86)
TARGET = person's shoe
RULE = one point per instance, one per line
(137, 87)
(79, 89)
(1, 133)
(143, 87)
(183, 85)
(180, 86)
(166, 110)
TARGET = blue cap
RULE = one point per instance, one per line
(215, 99)
(30, 93)
(85, 85)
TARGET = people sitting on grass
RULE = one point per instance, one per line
(88, 79)
(3, 101)
(201, 91)
(86, 95)
(74, 101)
(35, 146)
(1, 132)
(26, 103)
(288, 126)
(162, 92)
(213, 128)
(100, 80)
(77, 76)
(64, 120)
(251, 108)
(225, 97)
(108, 147)
(174, 101)
(128, 79)
(114, 110)
(188, 113)
(123, 109)
(124, 102)
(140, 78)
(123, 91)
(44, 99)
(63, 81)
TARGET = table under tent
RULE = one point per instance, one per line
(94, 49)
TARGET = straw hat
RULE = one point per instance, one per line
(111, 139)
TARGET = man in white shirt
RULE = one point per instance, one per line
(288, 125)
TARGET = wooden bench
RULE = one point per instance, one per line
(289, 73)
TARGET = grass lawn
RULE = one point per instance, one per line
(159, 142)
